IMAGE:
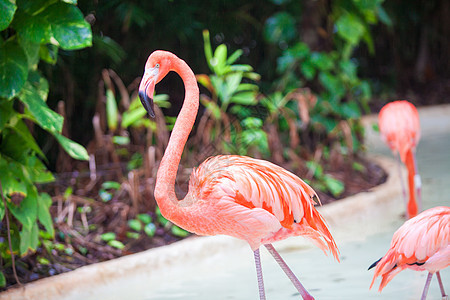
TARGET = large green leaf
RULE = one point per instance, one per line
(37, 171)
(14, 146)
(25, 138)
(29, 238)
(44, 203)
(6, 112)
(13, 69)
(44, 116)
(60, 23)
(68, 26)
(72, 148)
(31, 50)
(34, 28)
(7, 10)
(12, 185)
(350, 28)
(26, 213)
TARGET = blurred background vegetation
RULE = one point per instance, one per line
(282, 80)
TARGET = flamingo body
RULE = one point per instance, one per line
(250, 199)
(422, 244)
(399, 126)
(253, 200)
(400, 129)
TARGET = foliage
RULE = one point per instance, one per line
(332, 73)
(31, 32)
(230, 96)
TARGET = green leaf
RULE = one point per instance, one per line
(108, 236)
(111, 185)
(350, 110)
(332, 84)
(383, 16)
(2, 279)
(26, 213)
(280, 28)
(68, 26)
(308, 69)
(121, 140)
(39, 83)
(48, 53)
(179, 232)
(13, 69)
(12, 185)
(144, 218)
(6, 112)
(150, 229)
(350, 28)
(29, 239)
(24, 137)
(244, 98)
(219, 60)
(130, 117)
(322, 61)
(112, 113)
(116, 244)
(44, 116)
(43, 211)
(38, 171)
(7, 10)
(72, 148)
(336, 187)
(235, 56)
(134, 224)
(31, 50)
(34, 28)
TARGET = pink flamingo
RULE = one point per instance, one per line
(422, 244)
(400, 129)
(246, 198)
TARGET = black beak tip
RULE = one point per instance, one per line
(147, 102)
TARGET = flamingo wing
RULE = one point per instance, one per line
(421, 243)
(261, 192)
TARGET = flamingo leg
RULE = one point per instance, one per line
(259, 275)
(444, 296)
(405, 200)
(418, 184)
(289, 273)
(427, 285)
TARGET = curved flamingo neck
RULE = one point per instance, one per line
(165, 180)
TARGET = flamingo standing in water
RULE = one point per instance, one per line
(400, 129)
(422, 244)
(246, 198)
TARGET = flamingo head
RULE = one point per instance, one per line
(157, 66)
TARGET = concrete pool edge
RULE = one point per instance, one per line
(339, 214)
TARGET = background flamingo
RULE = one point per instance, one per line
(250, 199)
(400, 129)
(421, 244)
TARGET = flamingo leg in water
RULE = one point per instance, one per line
(259, 275)
(289, 273)
(427, 285)
(405, 200)
(444, 296)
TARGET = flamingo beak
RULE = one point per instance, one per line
(146, 90)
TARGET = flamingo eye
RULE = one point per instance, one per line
(157, 66)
